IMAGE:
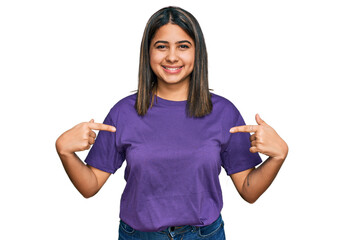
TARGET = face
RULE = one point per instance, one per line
(172, 54)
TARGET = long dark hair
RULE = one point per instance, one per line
(199, 98)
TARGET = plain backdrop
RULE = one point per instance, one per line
(296, 63)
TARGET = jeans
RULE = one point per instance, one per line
(214, 231)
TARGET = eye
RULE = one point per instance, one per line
(161, 47)
(184, 46)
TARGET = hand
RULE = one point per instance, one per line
(80, 137)
(265, 139)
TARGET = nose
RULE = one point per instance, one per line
(172, 55)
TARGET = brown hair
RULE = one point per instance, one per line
(199, 101)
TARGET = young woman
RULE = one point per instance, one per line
(175, 136)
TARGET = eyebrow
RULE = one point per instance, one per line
(183, 41)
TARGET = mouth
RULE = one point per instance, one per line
(172, 69)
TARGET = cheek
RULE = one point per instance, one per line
(152, 63)
(154, 58)
(192, 61)
(155, 61)
(189, 59)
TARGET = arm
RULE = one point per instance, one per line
(252, 183)
(86, 179)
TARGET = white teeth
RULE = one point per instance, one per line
(172, 69)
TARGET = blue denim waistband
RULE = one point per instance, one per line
(185, 228)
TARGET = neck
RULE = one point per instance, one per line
(173, 92)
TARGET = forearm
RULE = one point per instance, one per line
(80, 175)
(258, 180)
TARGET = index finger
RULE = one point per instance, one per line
(244, 128)
(101, 126)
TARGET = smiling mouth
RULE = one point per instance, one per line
(172, 69)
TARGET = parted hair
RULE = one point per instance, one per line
(199, 97)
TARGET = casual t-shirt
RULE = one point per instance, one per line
(173, 161)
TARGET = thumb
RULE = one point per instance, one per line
(259, 120)
(92, 120)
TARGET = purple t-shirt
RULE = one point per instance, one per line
(173, 161)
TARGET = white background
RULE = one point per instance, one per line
(296, 63)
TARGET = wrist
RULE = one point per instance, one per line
(278, 158)
(61, 151)
(283, 153)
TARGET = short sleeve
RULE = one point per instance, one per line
(104, 153)
(235, 154)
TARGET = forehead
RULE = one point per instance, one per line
(171, 33)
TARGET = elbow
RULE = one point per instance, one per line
(250, 199)
(88, 194)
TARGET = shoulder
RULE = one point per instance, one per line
(123, 107)
(125, 102)
(223, 104)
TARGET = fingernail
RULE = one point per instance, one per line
(232, 130)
